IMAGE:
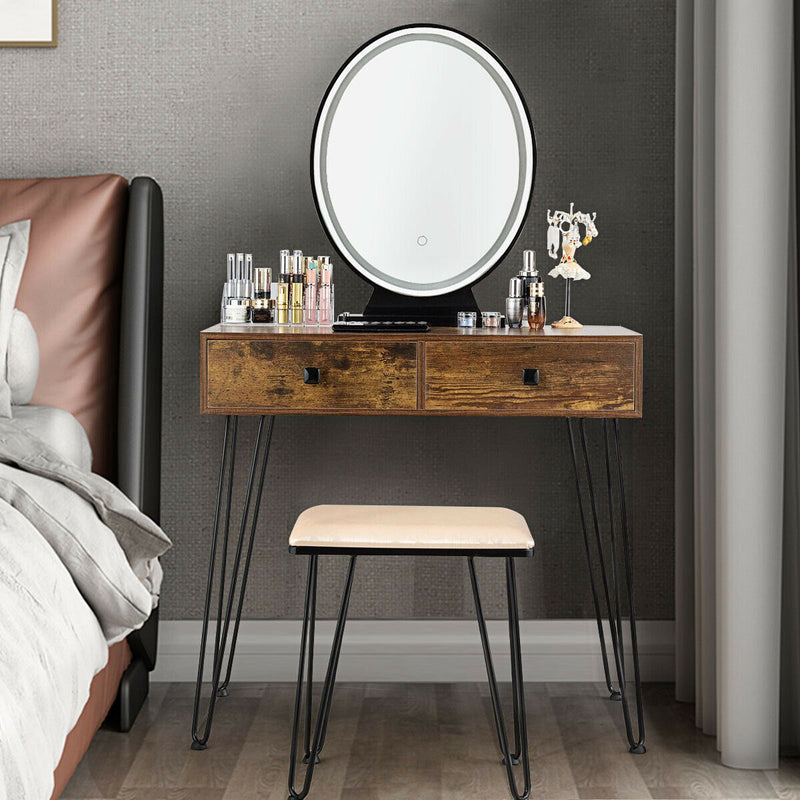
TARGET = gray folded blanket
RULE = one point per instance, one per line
(110, 547)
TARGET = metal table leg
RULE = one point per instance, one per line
(611, 588)
(247, 529)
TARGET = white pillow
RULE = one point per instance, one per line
(22, 359)
(59, 429)
(14, 252)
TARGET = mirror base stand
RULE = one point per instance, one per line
(438, 311)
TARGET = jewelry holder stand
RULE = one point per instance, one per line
(567, 321)
(564, 226)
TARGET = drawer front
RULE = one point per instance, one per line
(573, 377)
(310, 375)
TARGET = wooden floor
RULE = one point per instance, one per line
(416, 742)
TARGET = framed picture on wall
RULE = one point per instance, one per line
(28, 23)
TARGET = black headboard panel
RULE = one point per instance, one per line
(141, 323)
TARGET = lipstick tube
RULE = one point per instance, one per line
(296, 295)
(284, 279)
(325, 301)
(310, 309)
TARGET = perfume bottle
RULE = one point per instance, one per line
(310, 309)
(537, 307)
(284, 279)
(528, 274)
(325, 291)
(262, 288)
(296, 295)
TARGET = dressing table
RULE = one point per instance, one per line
(422, 256)
(592, 372)
(266, 370)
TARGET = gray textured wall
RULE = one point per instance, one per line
(216, 100)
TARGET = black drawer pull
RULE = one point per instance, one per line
(311, 375)
(530, 377)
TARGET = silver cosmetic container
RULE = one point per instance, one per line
(515, 302)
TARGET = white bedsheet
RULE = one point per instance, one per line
(78, 570)
(51, 646)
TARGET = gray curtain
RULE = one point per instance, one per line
(736, 385)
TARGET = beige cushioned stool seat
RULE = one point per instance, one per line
(411, 527)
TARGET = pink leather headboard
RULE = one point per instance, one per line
(70, 289)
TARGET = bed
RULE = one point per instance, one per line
(92, 290)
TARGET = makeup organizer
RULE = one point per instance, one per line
(302, 295)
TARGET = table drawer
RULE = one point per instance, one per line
(579, 377)
(265, 376)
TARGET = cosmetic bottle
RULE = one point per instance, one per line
(226, 287)
(515, 302)
(310, 308)
(262, 287)
(528, 273)
(537, 307)
(237, 311)
(296, 296)
(325, 302)
(467, 319)
(248, 280)
(284, 280)
(244, 278)
(237, 297)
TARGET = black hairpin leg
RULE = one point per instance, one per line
(513, 635)
(614, 611)
(225, 605)
(518, 688)
(313, 748)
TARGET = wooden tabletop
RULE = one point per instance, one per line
(262, 331)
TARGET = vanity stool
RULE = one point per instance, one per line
(408, 530)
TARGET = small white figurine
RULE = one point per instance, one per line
(564, 225)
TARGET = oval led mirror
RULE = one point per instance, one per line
(423, 161)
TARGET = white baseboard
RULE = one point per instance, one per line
(417, 650)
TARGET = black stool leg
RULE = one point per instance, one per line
(312, 579)
(255, 485)
(309, 621)
(513, 629)
(518, 685)
(516, 679)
